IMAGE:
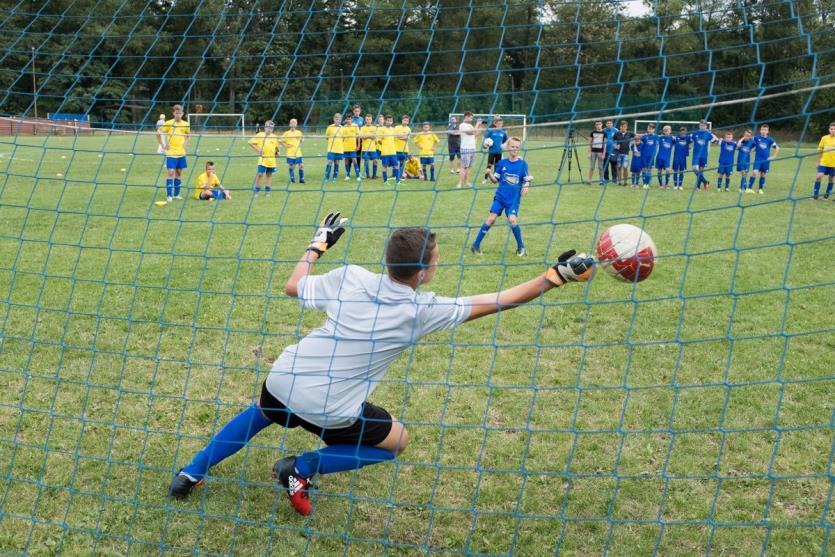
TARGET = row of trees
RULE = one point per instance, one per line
(123, 62)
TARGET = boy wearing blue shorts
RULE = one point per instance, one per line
(680, 153)
(173, 140)
(637, 164)
(265, 143)
(292, 141)
(426, 141)
(763, 144)
(826, 162)
(649, 147)
(336, 150)
(702, 138)
(743, 158)
(727, 150)
(368, 146)
(665, 151)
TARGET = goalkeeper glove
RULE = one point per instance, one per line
(328, 233)
(571, 267)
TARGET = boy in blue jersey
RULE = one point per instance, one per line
(727, 150)
(637, 164)
(763, 144)
(743, 159)
(665, 151)
(680, 153)
(512, 176)
(649, 146)
(610, 169)
(498, 136)
(702, 138)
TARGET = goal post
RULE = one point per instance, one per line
(223, 122)
(690, 124)
(512, 122)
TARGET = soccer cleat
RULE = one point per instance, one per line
(646, 186)
(522, 252)
(749, 191)
(297, 488)
(476, 251)
(182, 485)
(452, 171)
(359, 179)
(301, 181)
(180, 197)
(169, 199)
(761, 192)
(347, 178)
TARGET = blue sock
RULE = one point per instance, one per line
(335, 169)
(751, 182)
(257, 189)
(667, 179)
(727, 182)
(385, 174)
(762, 182)
(817, 189)
(292, 174)
(267, 189)
(357, 168)
(177, 184)
(517, 233)
(485, 228)
(742, 183)
(647, 178)
(374, 170)
(432, 170)
(828, 189)
(169, 187)
(396, 173)
(340, 458)
(328, 171)
(425, 174)
(365, 164)
(226, 442)
(218, 194)
(301, 174)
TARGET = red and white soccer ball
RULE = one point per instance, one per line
(626, 252)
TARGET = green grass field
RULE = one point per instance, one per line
(690, 414)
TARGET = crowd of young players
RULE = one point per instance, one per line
(666, 154)
(383, 149)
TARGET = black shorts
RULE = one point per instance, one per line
(454, 151)
(493, 158)
(371, 428)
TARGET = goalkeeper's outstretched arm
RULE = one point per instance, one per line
(328, 233)
(570, 267)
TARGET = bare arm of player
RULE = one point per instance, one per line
(302, 269)
(776, 152)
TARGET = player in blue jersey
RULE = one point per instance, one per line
(727, 150)
(702, 138)
(763, 144)
(498, 137)
(665, 151)
(649, 147)
(743, 159)
(610, 170)
(637, 164)
(512, 176)
(680, 153)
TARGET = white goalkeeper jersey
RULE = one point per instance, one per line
(371, 319)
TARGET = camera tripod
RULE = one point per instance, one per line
(569, 151)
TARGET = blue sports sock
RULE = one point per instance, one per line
(357, 168)
(292, 174)
(335, 170)
(169, 187)
(751, 182)
(301, 173)
(432, 169)
(328, 171)
(647, 177)
(667, 179)
(485, 228)
(817, 189)
(828, 189)
(660, 182)
(374, 170)
(517, 233)
(218, 194)
(385, 175)
(229, 440)
(367, 173)
(762, 182)
(257, 189)
(742, 183)
(727, 182)
(177, 184)
(339, 458)
(425, 174)
(267, 188)
(396, 173)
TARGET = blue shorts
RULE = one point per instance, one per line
(175, 163)
(401, 157)
(826, 170)
(622, 160)
(699, 162)
(679, 165)
(291, 161)
(335, 156)
(636, 165)
(647, 162)
(390, 161)
(509, 208)
(370, 155)
(661, 164)
(265, 169)
(427, 160)
(743, 167)
(762, 166)
(726, 168)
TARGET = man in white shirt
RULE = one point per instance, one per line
(468, 134)
(323, 383)
(160, 123)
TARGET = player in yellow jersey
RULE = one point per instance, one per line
(292, 141)
(208, 185)
(350, 133)
(388, 151)
(411, 170)
(401, 140)
(368, 137)
(381, 123)
(173, 139)
(335, 149)
(265, 143)
(426, 141)
(826, 162)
